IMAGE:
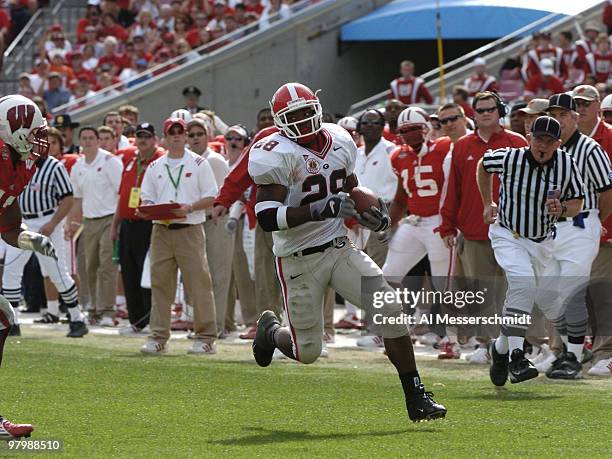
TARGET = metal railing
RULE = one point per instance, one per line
(504, 46)
(153, 74)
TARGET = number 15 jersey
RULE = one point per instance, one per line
(309, 176)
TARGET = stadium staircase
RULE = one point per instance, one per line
(495, 53)
(19, 56)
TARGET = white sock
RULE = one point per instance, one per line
(501, 344)
(576, 349)
(564, 339)
(75, 314)
(515, 342)
(120, 300)
(53, 307)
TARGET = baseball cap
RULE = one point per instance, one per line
(545, 125)
(517, 106)
(145, 127)
(192, 91)
(606, 104)
(55, 75)
(592, 25)
(547, 67)
(535, 106)
(173, 122)
(240, 130)
(201, 122)
(585, 91)
(479, 61)
(182, 114)
(563, 100)
(62, 121)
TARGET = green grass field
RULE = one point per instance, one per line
(102, 398)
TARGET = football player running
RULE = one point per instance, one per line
(303, 174)
(23, 132)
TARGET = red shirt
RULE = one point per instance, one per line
(421, 175)
(126, 154)
(238, 180)
(5, 20)
(462, 208)
(390, 136)
(68, 160)
(600, 65)
(132, 176)
(410, 91)
(537, 86)
(13, 179)
(467, 109)
(480, 83)
(603, 136)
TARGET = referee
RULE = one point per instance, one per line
(539, 184)
(577, 242)
(44, 203)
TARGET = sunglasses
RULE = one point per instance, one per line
(450, 119)
(583, 103)
(371, 123)
(176, 132)
(480, 111)
(435, 126)
(237, 139)
(144, 135)
(196, 134)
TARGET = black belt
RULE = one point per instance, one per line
(584, 215)
(44, 213)
(533, 239)
(176, 226)
(338, 242)
(98, 218)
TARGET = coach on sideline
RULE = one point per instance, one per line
(539, 184)
(183, 177)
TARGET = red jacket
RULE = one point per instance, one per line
(462, 209)
(238, 180)
(603, 136)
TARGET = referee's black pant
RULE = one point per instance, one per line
(134, 242)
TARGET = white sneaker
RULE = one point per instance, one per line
(324, 351)
(202, 347)
(107, 322)
(544, 360)
(602, 368)
(536, 350)
(371, 341)
(154, 347)
(131, 331)
(428, 339)
(479, 357)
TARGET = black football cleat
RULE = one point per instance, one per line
(78, 329)
(498, 372)
(47, 318)
(422, 407)
(520, 369)
(263, 345)
(15, 330)
(566, 366)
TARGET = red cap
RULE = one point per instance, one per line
(56, 28)
(173, 121)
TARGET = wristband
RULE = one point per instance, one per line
(281, 218)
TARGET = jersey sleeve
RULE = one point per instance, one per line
(493, 160)
(270, 167)
(61, 182)
(598, 169)
(575, 187)
(206, 179)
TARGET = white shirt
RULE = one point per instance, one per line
(375, 172)
(218, 164)
(124, 142)
(97, 183)
(193, 177)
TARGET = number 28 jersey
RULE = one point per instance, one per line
(309, 176)
(422, 175)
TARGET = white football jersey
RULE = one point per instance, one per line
(309, 177)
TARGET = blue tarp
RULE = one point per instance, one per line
(461, 19)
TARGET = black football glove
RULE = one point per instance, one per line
(335, 206)
(375, 219)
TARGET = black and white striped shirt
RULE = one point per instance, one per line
(525, 184)
(594, 167)
(49, 185)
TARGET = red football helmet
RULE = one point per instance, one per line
(289, 98)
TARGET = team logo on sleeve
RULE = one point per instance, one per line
(313, 166)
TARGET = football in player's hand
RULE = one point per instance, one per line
(363, 198)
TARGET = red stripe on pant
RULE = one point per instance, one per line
(279, 271)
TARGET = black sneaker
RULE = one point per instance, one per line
(520, 369)
(15, 330)
(263, 346)
(47, 318)
(498, 372)
(78, 329)
(566, 366)
(422, 407)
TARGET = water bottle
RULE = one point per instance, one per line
(234, 215)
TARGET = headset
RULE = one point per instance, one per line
(502, 108)
(366, 111)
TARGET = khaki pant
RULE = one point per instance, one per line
(599, 300)
(267, 291)
(184, 249)
(101, 271)
(242, 284)
(482, 272)
(219, 251)
(81, 267)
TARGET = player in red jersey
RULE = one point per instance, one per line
(419, 165)
(23, 131)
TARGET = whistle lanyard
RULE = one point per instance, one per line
(175, 183)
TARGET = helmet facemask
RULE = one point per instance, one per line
(36, 144)
(413, 134)
(295, 129)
